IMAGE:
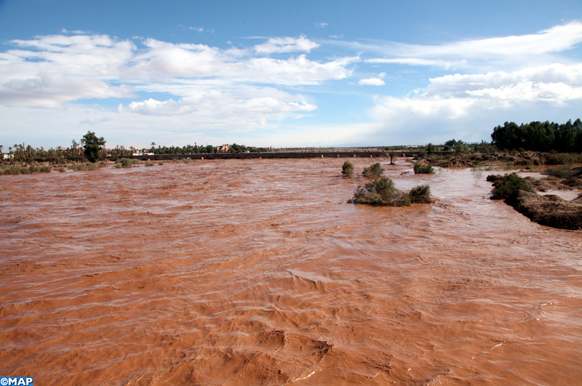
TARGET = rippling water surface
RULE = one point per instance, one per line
(258, 272)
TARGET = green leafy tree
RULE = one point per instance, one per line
(92, 145)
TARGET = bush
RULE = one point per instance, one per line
(126, 163)
(420, 194)
(149, 164)
(33, 169)
(14, 170)
(78, 167)
(160, 163)
(45, 169)
(562, 158)
(374, 171)
(507, 187)
(381, 192)
(563, 172)
(347, 169)
(423, 169)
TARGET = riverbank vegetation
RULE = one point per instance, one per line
(549, 210)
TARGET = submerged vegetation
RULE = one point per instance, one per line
(126, 163)
(423, 169)
(347, 169)
(383, 192)
(373, 171)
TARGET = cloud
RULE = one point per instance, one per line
(517, 50)
(76, 32)
(321, 25)
(474, 103)
(554, 84)
(286, 44)
(184, 28)
(50, 71)
(421, 62)
(371, 82)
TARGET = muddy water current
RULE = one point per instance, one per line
(258, 272)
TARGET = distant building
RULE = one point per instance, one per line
(223, 149)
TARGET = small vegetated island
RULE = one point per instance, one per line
(381, 191)
(549, 210)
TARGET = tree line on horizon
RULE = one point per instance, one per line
(539, 136)
(534, 136)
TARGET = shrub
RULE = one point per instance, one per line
(559, 159)
(149, 164)
(563, 172)
(381, 192)
(420, 194)
(423, 169)
(45, 169)
(78, 167)
(14, 170)
(347, 169)
(160, 163)
(507, 187)
(127, 162)
(33, 169)
(373, 171)
(61, 169)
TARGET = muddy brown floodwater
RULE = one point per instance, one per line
(258, 272)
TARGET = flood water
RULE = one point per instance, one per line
(258, 272)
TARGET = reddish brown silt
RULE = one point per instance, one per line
(258, 272)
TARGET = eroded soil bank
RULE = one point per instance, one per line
(247, 272)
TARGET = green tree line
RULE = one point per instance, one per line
(539, 136)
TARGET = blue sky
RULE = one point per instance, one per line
(284, 73)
